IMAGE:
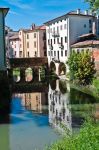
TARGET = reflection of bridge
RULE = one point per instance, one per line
(24, 63)
(31, 87)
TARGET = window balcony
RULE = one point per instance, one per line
(56, 59)
(50, 47)
(56, 34)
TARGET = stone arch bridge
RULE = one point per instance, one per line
(24, 63)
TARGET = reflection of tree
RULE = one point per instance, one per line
(53, 84)
(78, 97)
(52, 67)
(62, 86)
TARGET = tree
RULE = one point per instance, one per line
(82, 67)
(94, 4)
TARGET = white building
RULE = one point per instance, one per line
(14, 46)
(63, 31)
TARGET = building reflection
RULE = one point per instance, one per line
(59, 107)
(36, 102)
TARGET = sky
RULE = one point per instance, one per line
(23, 13)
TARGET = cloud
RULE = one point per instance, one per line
(18, 3)
(14, 13)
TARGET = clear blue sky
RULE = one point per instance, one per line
(25, 12)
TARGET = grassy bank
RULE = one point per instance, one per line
(89, 89)
(87, 139)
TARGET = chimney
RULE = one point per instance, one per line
(32, 26)
(86, 12)
(78, 11)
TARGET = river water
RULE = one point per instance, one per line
(37, 119)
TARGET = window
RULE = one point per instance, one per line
(48, 41)
(65, 26)
(20, 45)
(27, 44)
(61, 53)
(34, 44)
(90, 31)
(28, 54)
(57, 29)
(61, 40)
(34, 35)
(57, 40)
(54, 53)
(51, 41)
(84, 25)
(65, 52)
(51, 30)
(48, 53)
(51, 53)
(90, 24)
(15, 53)
(35, 54)
(54, 29)
(44, 53)
(65, 39)
(20, 53)
(54, 40)
(61, 27)
(27, 36)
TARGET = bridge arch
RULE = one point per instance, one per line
(62, 69)
(16, 75)
(28, 74)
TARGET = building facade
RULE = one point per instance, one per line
(33, 42)
(63, 31)
(26, 42)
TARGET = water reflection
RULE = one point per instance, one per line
(36, 115)
(59, 107)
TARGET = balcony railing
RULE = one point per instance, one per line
(55, 34)
(61, 46)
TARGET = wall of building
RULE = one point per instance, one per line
(14, 48)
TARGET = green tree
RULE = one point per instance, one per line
(94, 4)
(82, 67)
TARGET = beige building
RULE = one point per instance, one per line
(32, 42)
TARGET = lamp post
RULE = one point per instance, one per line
(3, 13)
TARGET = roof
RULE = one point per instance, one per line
(34, 29)
(87, 35)
(74, 13)
(14, 37)
(4, 10)
(85, 43)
